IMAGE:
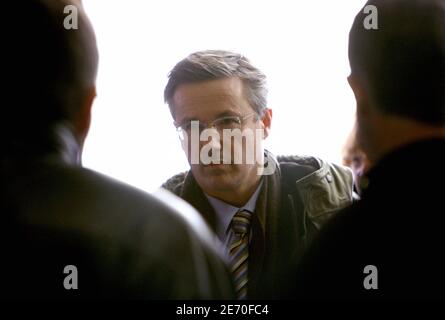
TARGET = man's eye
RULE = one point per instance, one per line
(229, 121)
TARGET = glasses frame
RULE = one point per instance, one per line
(213, 124)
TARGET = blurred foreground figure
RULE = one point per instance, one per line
(390, 244)
(69, 232)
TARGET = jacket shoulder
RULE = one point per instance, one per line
(324, 187)
(175, 183)
(294, 168)
(307, 161)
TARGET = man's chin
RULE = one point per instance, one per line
(216, 175)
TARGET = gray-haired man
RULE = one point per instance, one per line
(264, 209)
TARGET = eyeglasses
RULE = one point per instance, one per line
(220, 124)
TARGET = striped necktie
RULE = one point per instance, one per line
(239, 251)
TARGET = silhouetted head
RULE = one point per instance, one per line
(398, 72)
(48, 67)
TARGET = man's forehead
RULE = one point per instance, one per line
(232, 86)
(209, 97)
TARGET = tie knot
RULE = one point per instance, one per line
(241, 222)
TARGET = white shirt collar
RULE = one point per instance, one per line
(225, 211)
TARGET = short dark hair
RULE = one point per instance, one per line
(217, 64)
(402, 63)
(47, 68)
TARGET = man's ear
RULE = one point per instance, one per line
(360, 94)
(267, 121)
(82, 123)
(355, 86)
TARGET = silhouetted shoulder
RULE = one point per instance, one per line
(124, 242)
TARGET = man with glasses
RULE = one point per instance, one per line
(265, 210)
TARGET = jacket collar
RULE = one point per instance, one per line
(193, 194)
(58, 143)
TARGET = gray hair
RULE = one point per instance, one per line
(217, 64)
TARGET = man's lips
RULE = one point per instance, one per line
(215, 164)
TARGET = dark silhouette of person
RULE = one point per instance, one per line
(69, 232)
(390, 243)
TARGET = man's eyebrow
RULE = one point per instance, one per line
(219, 115)
(226, 114)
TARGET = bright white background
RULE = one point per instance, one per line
(300, 45)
